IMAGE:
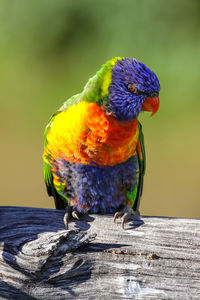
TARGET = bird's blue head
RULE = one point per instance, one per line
(133, 88)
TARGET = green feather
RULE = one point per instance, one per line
(135, 194)
(96, 89)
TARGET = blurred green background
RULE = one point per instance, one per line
(49, 49)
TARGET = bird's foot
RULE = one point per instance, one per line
(70, 213)
(125, 213)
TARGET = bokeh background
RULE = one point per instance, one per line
(49, 49)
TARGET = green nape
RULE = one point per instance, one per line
(96, 89)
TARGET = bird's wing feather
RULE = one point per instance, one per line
(135, 194)
(60, 202)
(142, 165)
(48, 177)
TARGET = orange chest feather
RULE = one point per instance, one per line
(91, 136)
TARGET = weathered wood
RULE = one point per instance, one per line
(153, 258)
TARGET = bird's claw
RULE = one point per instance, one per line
(125, 213)
(117, 215)
(75, 214)
(70, 212)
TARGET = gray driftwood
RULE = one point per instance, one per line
(153, 258)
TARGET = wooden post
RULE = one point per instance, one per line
(153, 258)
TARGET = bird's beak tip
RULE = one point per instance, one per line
(151, 104)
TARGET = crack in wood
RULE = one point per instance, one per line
(70, 242)
(126, 252)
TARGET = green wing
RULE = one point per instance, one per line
(60, 202)
(135, 194)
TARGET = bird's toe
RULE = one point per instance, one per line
(125, 213)
(70, 213)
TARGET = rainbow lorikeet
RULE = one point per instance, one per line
(94, 155)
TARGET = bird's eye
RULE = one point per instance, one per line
(132, 88)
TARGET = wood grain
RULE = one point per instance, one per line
(153, 258)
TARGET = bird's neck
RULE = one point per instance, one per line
(97, 88)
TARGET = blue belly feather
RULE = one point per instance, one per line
(97, 189)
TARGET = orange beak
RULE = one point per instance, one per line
(151, 104)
